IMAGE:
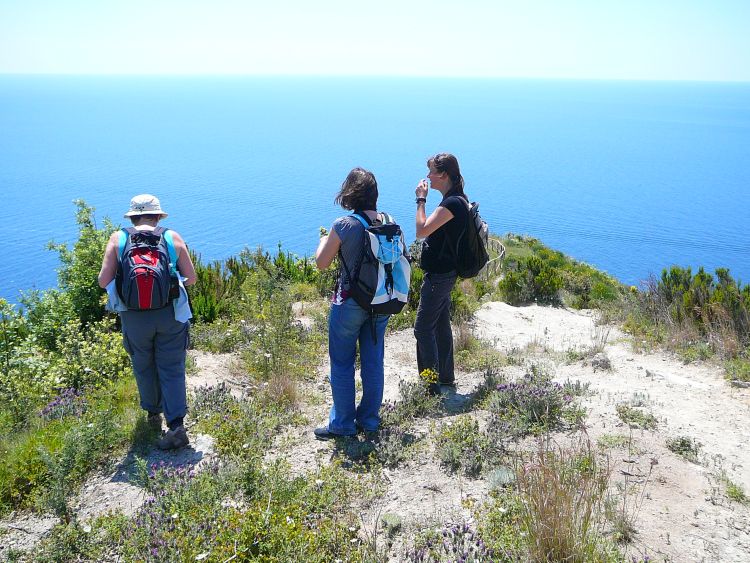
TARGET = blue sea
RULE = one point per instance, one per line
(630, 177)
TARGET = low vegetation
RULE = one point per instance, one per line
(68, 406)
(534, 273)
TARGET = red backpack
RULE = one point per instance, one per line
(146, 273)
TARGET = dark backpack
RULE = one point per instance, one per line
(146, 275)
(379, 281)
(470, 250)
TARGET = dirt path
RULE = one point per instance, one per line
(679, 508)
(683, 514)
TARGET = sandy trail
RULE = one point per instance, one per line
(680, 508)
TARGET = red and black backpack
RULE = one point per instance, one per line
(145, 273)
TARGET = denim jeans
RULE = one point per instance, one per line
(348, 324)
(432, 328)
(157, 346)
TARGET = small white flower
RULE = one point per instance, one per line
(202, 556)
(267, 354)
(175, 516)
(245, 446)
(319, 482)
(289, 520)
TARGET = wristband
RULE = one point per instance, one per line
(421, 200)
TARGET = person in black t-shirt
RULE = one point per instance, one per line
(441, 229)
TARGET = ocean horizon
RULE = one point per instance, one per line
(630, 177)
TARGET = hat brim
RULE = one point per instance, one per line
(136, 213)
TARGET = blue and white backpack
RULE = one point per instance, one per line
(379, 282)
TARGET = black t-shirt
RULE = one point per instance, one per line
(437, 256)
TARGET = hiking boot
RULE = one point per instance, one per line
(154, 421)
(173, 439)
(323, 433)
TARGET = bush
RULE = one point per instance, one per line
(532, 405)
(684, 446)
(80, 265)
(697, 315)
(460, 446)
(534, 273)
(635, 417)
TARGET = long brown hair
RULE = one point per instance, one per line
(446, 162)
(359, 191)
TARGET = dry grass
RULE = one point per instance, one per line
(564, 489)
(463, 338)
(282, 390)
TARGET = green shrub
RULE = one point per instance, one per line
(414, 402)
(697, 315)
(80, 265)
(534, 273)
(737, 369)
(684, 446)
(220, 336)
(636, 417)
(532, 404)
(90, 357)
(43, 463)
(460, 446)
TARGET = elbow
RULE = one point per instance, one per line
(104, 280)
(321, 263)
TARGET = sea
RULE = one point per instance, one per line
(630, 177)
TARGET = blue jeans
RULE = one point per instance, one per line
(157, 345)
(432, 328)
(348, 324)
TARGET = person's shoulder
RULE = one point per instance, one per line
(115, 236)
(176, 237)
(454, 203)
(346, 222)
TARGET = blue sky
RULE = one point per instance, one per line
(627, 39)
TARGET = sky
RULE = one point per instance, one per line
(578, 39)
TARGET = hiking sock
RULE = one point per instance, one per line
(176, 423)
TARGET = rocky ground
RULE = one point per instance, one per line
(680, 508)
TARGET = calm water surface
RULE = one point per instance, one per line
(628, 176)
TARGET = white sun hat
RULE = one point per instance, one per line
(145, 204)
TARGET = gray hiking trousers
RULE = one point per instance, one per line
(157, 345)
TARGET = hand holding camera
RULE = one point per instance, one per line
(421, 190)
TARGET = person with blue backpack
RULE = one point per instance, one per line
(441, 260)
(372, 283)
(145, 270)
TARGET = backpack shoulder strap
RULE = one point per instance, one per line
(169, 239)
(122, 239)
(363, 218)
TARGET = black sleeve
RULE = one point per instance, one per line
(456, 205)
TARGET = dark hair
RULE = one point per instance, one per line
(446, 162)
(138, 219)
(359, 191)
